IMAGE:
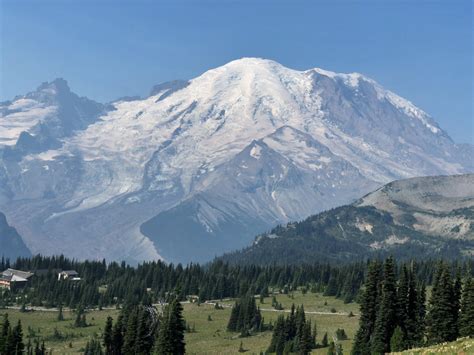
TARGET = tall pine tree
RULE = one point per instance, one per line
(170, 338)
(466, 319)
(387, 313)
(368, 309)
(108, 336)
(441, 319)
(130, 335)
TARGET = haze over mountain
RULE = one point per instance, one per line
(422, 218)
(200, 167)
(11, 244)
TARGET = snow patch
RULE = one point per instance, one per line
(255, 152)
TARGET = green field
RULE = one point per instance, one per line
(210, 337)
(44, 323)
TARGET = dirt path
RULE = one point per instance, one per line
(213, 303)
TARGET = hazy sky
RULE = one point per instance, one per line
(422, 50)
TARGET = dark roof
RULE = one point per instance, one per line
(70, 272)
(44, 272)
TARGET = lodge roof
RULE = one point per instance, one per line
(18, 273)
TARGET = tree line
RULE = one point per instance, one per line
(115, 283)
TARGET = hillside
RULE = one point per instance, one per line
(421, 217)
(200, 167)
(11, 244)
(462, 346)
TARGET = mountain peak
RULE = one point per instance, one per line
(253, 65)
(57, 86)
(252, 61)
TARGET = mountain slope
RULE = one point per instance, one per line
(420, 217)
(441, 206)
(217, 159)
(11, 244)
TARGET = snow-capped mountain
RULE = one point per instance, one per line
(37, 121)
(200, 167)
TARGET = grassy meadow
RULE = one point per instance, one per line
(210, 336)
(60, 336)
(463, 346)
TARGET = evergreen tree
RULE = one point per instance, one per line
(178, 327)
(80, 321)
(441, 318)
(93, 347)
(368, 309)
(300, 323)
(232, 325)
(387, 313)
(332, 287)
(466, 319)
(397, 341)
(144, 338)
(245, 316)
(341, 334)
(10, 347)
(4, 334)
(108, 336)
(457, 290)
(117, 336)
(402, 297)
(291, 323)
(324, 342)
(163, 343)
(170, 338)
(130, 335)
(293, 334)
(306, 342)
(314, 335)
(277, 343)
(421, 314)
(413, 329)
(17, 339)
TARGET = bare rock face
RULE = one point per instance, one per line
(11, 244)
(438, 205)
(199, 167)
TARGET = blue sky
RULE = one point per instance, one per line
(422, 50)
